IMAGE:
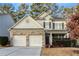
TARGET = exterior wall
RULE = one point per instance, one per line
(53, 21)
(40, 22)
(28, 32)
(28, 22)
(56, 31)
(53, 31)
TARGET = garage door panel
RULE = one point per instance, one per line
(35, 40)
(19, 40)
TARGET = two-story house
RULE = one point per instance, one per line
(41, 31)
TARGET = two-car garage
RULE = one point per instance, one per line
(27, 32)
(34, 40)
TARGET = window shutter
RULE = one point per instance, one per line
(44, 24)
(53, 25)
(62, 25)
(49, 24)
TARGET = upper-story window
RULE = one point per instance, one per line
(63, 26)
(58, 26)
(47, 25)
(55, 26)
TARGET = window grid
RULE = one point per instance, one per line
(58, 26)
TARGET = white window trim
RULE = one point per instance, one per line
(58, 26)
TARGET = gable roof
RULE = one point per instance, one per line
(43, 14)
(47, 15)
(25, 23)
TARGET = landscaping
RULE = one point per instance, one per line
(4, 41)
(68, 51)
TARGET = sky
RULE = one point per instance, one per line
(68, 5)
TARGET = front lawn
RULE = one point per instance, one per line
(60, 51)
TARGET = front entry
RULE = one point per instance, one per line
(47, 38)
(58, 40)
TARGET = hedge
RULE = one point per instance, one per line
(66, 43)
(4, 41)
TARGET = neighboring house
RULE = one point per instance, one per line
(6, 22)
(37, 32)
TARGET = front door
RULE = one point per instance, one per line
(47, 39)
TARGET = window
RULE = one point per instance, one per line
(49, 24)
(62, 25)
(58, 26)
(53, 24)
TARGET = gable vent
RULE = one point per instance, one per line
(27, 21)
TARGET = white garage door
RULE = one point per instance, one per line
(35, 40)
(19, 40)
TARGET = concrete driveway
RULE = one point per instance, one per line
(20, 51)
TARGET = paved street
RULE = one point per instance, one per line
(20, 51)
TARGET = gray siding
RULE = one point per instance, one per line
(5, 23)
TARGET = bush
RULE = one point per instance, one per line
(3, 41)
(65, 42)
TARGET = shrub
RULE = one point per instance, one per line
(3, 41)
(66, 42)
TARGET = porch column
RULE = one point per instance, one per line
(50, 39)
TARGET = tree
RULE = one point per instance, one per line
(33, 10)
(15, 16)
(6, 8)
(73, 26)
(76, 8)
(68, 12)
(37, 8)
(22, 10)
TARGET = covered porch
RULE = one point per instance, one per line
(58, 40)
